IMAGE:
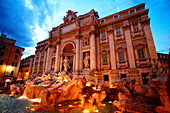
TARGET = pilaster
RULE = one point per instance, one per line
(130, 51)
(112, 49)
(149, 38)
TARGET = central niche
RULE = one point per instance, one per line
(68, 51)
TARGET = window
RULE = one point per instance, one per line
(4, 47)
(26, 70)
(135, 27)
(1, 62)
(102, 21)
(41, 65)
(132, 11)
(166, 57)
(116, 17)
(16, 56)
(17, 51)
(123, 76)
(141, 53)
(14, 64)
(158, 56)
(35, 66)
(43, 51)
(105, 58)
(121, 56)
(103, 35)
(118, 32)
(12, 72)
(106, 78)
(1, 54)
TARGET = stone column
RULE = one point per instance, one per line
(77, 53)
(92, 51)
(39, 61)
(50, 60)
(18, 65)
(81, 56)
(57, 60)
(112, 49)
(98, 52)
(34, 63)
(61, 57)
(74, 61)
(47, 60)
(149, 38)
(130, 51)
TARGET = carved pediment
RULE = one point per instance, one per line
(140, 45)
(120, 49)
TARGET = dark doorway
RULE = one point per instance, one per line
(106, 78)
(144, 79)
(123, 76)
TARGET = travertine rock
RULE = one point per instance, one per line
(17, 89)
(33, 91)
(160, 85)
(121, 104)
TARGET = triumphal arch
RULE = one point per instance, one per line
(117, 46)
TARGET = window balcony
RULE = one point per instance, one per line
(105, 65)
(119, 37)
(122, 64)
(144, 62)
(137, 33)
(104, 40)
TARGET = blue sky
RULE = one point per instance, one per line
(28, 21)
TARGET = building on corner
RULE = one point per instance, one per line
(10, 57)
(117, 46)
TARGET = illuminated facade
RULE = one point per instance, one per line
(26, 67)
(116, 46)
(10, 57)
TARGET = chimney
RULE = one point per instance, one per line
(3, 36)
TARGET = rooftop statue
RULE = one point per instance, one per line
(70, 16)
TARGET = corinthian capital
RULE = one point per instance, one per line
(110, 31)
(92, 32)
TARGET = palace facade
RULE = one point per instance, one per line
(26, 67)
(117, 46)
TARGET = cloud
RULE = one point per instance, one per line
(28, 21)
(14, 19)
(28, 51)
(28, 4)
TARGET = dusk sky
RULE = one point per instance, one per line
(28, 21)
